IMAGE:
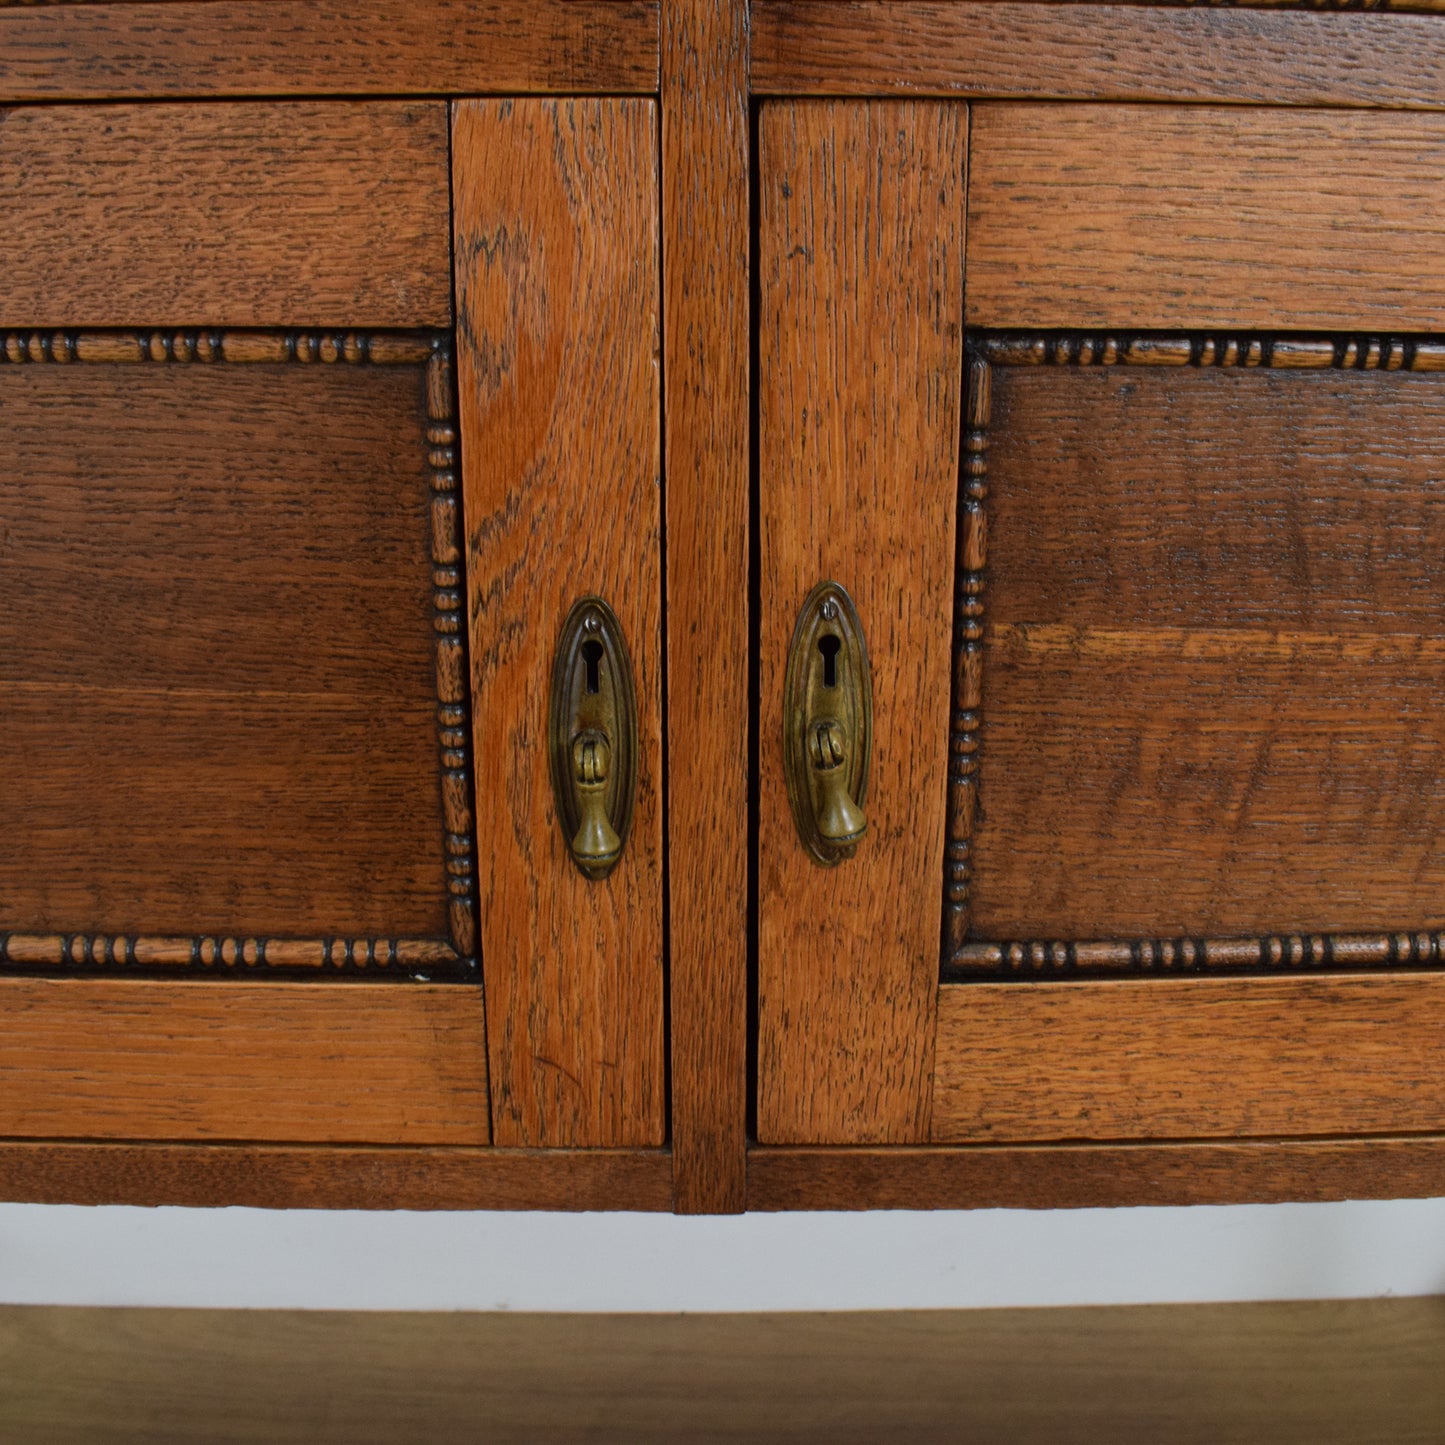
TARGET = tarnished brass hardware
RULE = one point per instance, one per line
(592, 736)
(828, 725)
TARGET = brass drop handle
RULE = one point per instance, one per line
(840, 820)
(592, 737)
(828, 725)
(595, 843)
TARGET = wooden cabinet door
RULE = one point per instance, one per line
(1186, 859)
(241, 890)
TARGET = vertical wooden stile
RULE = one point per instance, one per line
(860, 362)
(557, 280)
(705, 295)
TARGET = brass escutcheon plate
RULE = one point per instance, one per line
(827, 678)
(593, 697)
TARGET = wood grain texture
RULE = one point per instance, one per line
(860, 358)
(557, 283)
(326, 47)
(334, 1176)
(1096, 52)
(1185, 1057)
(706, 239)
(1142, 217)
(218, 692)
(1098, 1176)
(1298, 1373)
(1213, 606)
(294, 214)
(337, 1062)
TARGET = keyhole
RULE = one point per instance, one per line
(592, 658)
(828, 645)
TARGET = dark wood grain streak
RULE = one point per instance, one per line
(557, 285)
(301, 213)
(1189, 1057)
(1098, 1176)
(1096, 52)
(280, 1176)
(1143, 216)
(218, 678)
(324, 1062)
(1214, 608)
(705, 234)
(859, 419)
(327, 47)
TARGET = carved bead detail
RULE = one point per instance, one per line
(1275, 953)
(453, 726)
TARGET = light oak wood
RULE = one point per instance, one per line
(1187, 1057)
(706, 239)
(289, 1176)
(1097, 1176)
(1096, 52)
(326, 47)
(326, 1062)
(297, 214)
(557, 287)
(1146, 217)
(1213, 602)
(1303, 1373)
(218, 686)
(860, 357)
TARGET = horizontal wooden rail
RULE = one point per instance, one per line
(1096, 1176)
(347, 1063)
(302, 1177)
(1013, 48)
(327, 47)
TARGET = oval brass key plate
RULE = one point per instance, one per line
(592, 736)
(828, 725)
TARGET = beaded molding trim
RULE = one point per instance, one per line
(432, 351)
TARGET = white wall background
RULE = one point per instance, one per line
(237, 1258)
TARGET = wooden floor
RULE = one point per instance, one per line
(1357, 1372)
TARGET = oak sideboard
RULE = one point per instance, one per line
(675, 604)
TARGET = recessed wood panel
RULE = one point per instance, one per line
(245, 214)
(1189, 1057)
(341, 1062)
(860, 355)
(557, 284)
(1142, 216)
(1214, 654)
(219, 652)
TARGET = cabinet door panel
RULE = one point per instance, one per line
(1214, 653)
(557, 286)
(861, 217)
(219, 654)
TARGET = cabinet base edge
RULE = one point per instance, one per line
(279, 1176)
(1091, 1176)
